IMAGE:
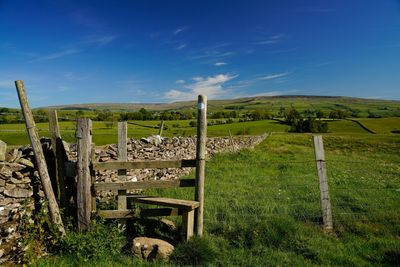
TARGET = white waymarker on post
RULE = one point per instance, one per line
(200, 161)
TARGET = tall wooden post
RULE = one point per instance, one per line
(122, 156)
(323, 182)
(161, 128)
(200, 161)
(58, 150)
(84, 197)
(39, 156)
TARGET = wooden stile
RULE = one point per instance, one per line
(201, 161)
(39, 156)
(323, 182)
(84, 148)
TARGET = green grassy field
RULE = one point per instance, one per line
(15, 134)
(382, 125)
(262, 205)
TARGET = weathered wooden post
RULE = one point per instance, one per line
(122, 156)
(84, 148)
(3, 150)
(323, 182)
(161, 128)
(200, 161)
(60, 158)
(39, 156)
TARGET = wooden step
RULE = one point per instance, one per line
(169, 202)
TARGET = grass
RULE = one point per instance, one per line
(262, 205)
(382, 125)
(15, 134)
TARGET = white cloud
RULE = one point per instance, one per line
(60, 54)
(180, 81)
(181, 47)
(218, 64)
(212, 86)
(274, 76)
(179, 30)
(273, 39)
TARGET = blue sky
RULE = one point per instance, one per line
(163, 51)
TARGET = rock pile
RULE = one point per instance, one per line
(17, 180)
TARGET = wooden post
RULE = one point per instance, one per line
(161, 128)
(232, 142)
(188, 221)
(323, 182)
(200, 161)
(93, 175)
(84, 197)
(58, 149)
(39, 156)
(122, 156)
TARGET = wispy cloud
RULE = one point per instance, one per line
(6, 84)
(273, 39)
(59, 54)
(212, 86)
(273, 76)
(179, 30)
(218, 64)
(98, 40)
(180, 47)
(180, 82)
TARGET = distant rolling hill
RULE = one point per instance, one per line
(218, 103)
(272, 103)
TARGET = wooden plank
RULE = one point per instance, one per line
(144, 185)
(201, 161)
(39, 156)
(169, 202)
(125, 214)
(84, 197)
(323, 182)
(122, 157)
(188, 223)
(156, 164)
(60, 157)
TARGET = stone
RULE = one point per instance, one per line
(12, 155)
(10, 186)
(26, 162)
(18, 193)
(3, 149)
(1, 253)
(151, 248)
(18, 175)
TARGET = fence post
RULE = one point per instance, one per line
(59, 155)
(122, 156)
(84, 197)
(39, 156)
(323, 182)
(161, 128)
(200, 161)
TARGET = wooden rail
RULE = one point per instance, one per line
(143, 185)
(130, 165)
